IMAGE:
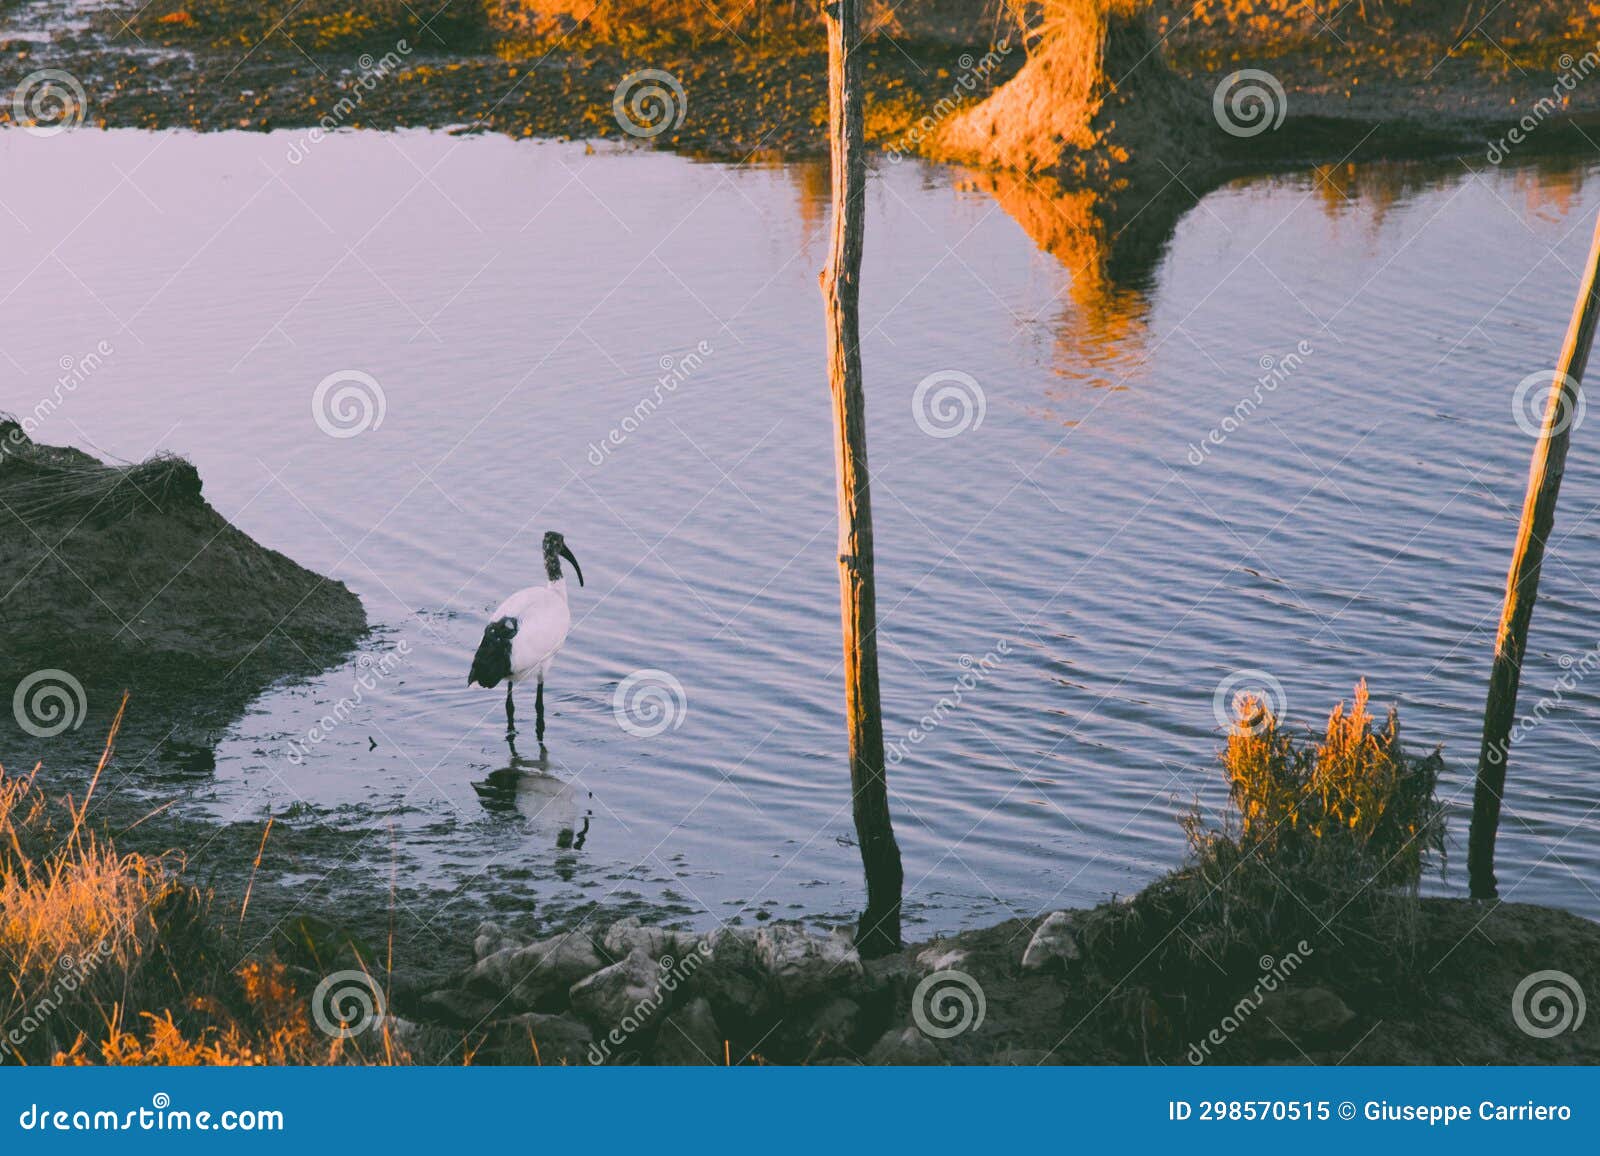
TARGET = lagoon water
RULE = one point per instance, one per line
(1094, 534)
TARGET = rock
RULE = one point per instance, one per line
(458, 1008)
(423, 1043)
(940, 957)
(732, 978)
(804, 965)
(490, 938)
(624, 998)
(532, 1038)
(903, 1047)
(689, 1037)
(833, 1032)
(1055, 941)
(626, 936)
(1307, 1015)
(537, 977)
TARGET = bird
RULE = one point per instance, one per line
(526, 633)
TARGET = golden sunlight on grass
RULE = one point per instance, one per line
(108, 958)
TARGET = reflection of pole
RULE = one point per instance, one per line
(879, 932)
(1522, 583)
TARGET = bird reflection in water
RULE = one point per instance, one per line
(548, 802)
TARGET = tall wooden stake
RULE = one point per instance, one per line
(879, 931)
(1522, 583)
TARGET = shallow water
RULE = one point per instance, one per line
(515, 302)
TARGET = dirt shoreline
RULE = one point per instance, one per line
(200, 67)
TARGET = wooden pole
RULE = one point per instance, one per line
(1522, 583)
(879, 931)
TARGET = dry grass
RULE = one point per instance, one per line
(108, 958)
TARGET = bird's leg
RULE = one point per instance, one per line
(538, 710)
(511, 713)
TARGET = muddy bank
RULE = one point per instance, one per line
(125, 577)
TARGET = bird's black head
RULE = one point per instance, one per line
(555, 549)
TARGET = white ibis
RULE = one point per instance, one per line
(526, 633)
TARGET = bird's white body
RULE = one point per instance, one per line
(543, 620)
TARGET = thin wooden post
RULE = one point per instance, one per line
(1522, 583)
(879, 931)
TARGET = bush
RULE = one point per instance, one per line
(1324, 844)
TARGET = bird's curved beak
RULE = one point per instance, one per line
(576, 569)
